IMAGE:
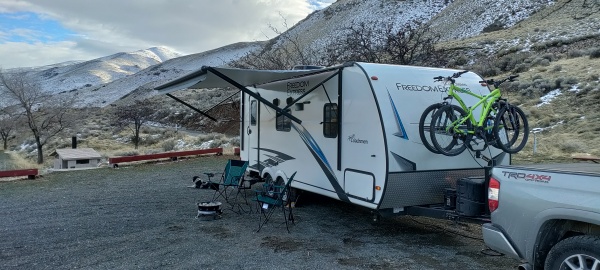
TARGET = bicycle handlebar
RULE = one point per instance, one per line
(496, 84)
(449, 78)
(457, 74)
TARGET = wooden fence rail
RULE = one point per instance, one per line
(173, 155)
(30, 173)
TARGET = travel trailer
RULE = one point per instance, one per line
(349, 131)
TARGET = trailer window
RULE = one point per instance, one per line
(330, 120)
(253, 112)
(283, 123)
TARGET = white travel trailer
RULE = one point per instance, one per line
(349, 131)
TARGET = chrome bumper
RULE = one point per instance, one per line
(495, 239)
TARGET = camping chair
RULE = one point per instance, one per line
(271, 197)
(233, 176)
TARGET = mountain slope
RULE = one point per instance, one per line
(70, 76)
(142, 82)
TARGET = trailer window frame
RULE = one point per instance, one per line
(282, 122)
(330, 120)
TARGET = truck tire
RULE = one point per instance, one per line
(577, 252)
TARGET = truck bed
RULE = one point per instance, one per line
(584, 168)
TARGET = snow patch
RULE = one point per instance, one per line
(546, 99)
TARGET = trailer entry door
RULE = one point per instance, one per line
(253, 133)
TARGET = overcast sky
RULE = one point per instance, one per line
(42, 32)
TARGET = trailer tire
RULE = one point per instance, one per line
(574, 251)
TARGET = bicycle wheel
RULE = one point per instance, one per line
(425, 124)
(511, 129)
(448, 139)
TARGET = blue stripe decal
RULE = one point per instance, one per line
(401, 132)
(320, 158)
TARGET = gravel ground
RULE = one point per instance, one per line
(143, 216)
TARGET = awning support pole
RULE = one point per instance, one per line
(252, 94)
(191, 107)
(312, 89)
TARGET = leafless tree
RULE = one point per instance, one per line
(46, 115)
(406, 45)
(362, 43)
(282, 52)
(133, 116)
(8, 125)
(411, 45)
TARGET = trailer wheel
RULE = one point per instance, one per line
(577, 252)
(268, 179)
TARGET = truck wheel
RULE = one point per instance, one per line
(577, 252)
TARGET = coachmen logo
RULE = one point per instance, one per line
(352, 138)
(542, 178)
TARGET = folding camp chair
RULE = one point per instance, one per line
(271, 197)
(233, 176)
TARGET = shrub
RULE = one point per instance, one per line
(521, 67)
(540, 62)
(571, 81)
(595, 53)
(168, 145)
(575, 53)
(215, 143)
(572, 146)
(551, 57)
(235, 141)
(127, 153)
(556, 68)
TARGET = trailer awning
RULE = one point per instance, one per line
(212, 77)
(207, 77)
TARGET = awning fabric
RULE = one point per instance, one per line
(203, 78)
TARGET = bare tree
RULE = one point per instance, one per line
(134, 116)
(8, 124)
(283, 52)
(406, 45)
(362, 42)
(411, 45)
(46, 115)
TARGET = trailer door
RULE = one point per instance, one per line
(253, 133)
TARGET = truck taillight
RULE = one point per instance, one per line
(493, 190)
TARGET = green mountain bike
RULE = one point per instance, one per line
(452, 128)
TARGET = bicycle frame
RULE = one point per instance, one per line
(484, 101)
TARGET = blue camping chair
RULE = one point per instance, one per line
(233, 177)
(272, 197)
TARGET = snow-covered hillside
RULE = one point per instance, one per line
(74, 75)
(142, 82)
(467, 18)
(323, 27)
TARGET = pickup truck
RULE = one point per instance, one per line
(548, 216)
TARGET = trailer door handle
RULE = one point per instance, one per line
(248, 131)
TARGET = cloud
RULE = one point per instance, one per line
(25, 55)
(111, 26)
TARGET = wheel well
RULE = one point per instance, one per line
(254, 174)
(553, 231)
